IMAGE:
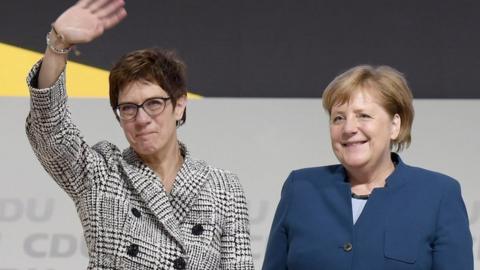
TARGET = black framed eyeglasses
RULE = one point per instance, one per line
(152, 106)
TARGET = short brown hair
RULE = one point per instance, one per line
(154, 65)
(388, 84)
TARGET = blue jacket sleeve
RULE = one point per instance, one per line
(452, 248)
(277, 247)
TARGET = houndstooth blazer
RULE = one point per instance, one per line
(129, 221)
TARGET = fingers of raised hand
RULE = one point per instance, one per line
(114, 18)
(84, 3)
(109, 12)
(110, 8)
(91, 5)
(101, 8)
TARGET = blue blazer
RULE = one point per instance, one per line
(417, 221)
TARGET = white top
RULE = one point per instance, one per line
(357, 208)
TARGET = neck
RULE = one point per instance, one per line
(166, 164)
(364, 180)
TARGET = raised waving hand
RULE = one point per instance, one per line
(79, 24)
(88, 19)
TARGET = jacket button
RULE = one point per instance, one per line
(136, 212)
(347, 247)
(132, 250)
(179, 263)
(197, 229)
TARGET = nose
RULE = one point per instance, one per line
(142, 117)
(350, 125)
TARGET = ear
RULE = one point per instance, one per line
(396, 123)
(180, 107)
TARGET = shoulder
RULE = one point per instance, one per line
(315, 171)
(429, 179)
(107, 148)
(313, 178)
(108, 151)
(320, 175)
(217, 178)
(225, 179)
(426, 185)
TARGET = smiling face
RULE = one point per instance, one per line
(150, 135)
(361, 132)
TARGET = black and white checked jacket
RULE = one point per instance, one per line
(129, 221)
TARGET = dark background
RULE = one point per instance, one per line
(276, 48)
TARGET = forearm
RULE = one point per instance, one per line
(53, 62)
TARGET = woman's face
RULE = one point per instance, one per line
(361, 131)
(150, 135)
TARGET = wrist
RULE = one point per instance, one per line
(56, 42)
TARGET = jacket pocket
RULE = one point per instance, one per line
(202, 240)
(205, 259)
(203, 226)
(113, 213)
(110, 238)
(401, 246)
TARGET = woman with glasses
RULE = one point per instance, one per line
(151, 206)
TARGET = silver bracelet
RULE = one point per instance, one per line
(53, 48)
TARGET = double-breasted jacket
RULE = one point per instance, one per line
(129, 221)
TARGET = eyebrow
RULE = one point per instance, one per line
(131, 102)
(355, 111)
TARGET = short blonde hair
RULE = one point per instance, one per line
(387, 84)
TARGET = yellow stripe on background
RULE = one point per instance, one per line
(83, 81)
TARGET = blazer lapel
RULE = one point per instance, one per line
(150, 189)
(343, 193)
(377, 206)
(189, 181)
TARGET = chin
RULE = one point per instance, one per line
(145, 150)
(354, 165)
(353, 162)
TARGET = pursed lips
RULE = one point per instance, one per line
(143, 134)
